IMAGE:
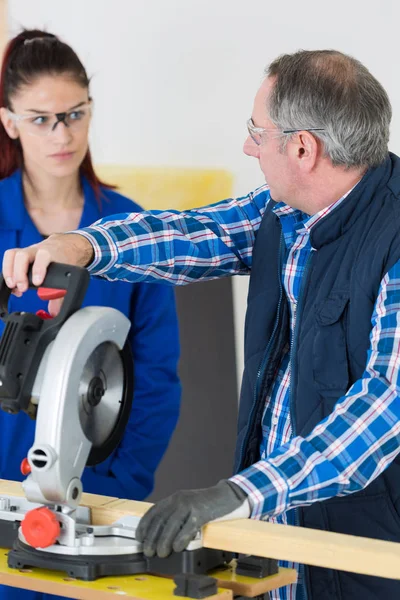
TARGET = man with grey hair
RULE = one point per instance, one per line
(319, 420)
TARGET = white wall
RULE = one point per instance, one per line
(174, 80)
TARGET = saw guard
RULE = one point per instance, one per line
(61, 450)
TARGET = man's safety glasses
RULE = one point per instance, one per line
(258, 133)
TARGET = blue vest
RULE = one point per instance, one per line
(355, 246)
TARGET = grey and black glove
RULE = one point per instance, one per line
(171, 524)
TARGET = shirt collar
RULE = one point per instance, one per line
(13, 211)
(305, 222)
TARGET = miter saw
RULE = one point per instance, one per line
(74, 374)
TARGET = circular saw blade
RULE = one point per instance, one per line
(105, 398)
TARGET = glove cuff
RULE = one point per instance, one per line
(238, 491)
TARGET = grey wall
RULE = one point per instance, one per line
(201, 450)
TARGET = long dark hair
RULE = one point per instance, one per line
(27, 56)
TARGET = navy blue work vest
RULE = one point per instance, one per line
(355, 246)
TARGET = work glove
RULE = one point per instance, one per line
(171, 524)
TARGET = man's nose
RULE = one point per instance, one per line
(250, 148)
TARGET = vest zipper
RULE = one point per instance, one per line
(293, 346)
(264, 360)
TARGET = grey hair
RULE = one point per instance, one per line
(335, 92)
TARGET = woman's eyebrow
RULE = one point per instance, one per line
(47, 112)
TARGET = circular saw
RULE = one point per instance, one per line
(72, 373)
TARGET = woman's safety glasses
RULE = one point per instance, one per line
(43, 124)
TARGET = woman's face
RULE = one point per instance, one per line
(49, 146)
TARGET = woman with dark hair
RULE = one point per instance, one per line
(48, 184)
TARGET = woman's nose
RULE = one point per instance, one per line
(61, 132)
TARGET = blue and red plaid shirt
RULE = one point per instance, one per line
(361, 437)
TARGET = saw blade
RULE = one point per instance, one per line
(101, 393)
(103, 396)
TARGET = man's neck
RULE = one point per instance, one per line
(326, 188)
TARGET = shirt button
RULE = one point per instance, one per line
(275, 421)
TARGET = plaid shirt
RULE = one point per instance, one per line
(276, 425)
(361, 437)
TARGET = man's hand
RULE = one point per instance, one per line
(173, 523)
(68, 248)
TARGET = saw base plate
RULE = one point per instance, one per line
(89, 568)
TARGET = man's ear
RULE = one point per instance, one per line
(8, 124)
(305, 148)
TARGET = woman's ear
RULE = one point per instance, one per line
(8, 123)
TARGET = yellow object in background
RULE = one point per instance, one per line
(168, 187)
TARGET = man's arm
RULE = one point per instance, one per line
(169, 246)
(178, 247)
(355, 443)
(342, 454)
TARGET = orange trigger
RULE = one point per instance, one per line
(50, 294)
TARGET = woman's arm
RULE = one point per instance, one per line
(154, 338)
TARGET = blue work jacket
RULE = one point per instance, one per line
(129, 471)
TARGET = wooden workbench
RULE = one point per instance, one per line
(105, 510)
(307, 546)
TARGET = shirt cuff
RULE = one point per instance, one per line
(104, 247)
(266, 488)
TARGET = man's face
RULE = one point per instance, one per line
(274, 162)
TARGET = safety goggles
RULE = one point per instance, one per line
(257, 134)
(42, 124)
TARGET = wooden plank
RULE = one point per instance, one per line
(14, 488)
(307, 546)
(104, 509)
(250, 587)
(108, 512)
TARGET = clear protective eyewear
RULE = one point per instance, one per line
(43, 124)
(256, 133)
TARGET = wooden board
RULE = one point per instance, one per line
(250, 587)
(308, 546)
